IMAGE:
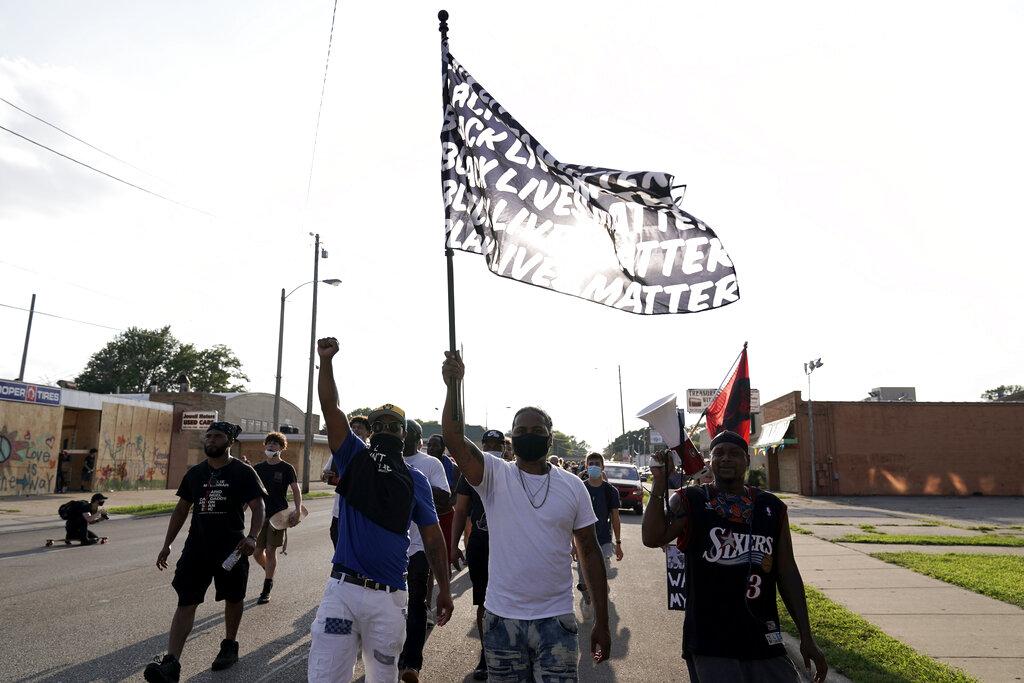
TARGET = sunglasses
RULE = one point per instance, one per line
(381, 426)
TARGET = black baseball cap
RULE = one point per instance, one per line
(492, 435)
(98, 496)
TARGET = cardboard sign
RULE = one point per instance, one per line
(675, 573)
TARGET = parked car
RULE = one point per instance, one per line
(626, 479)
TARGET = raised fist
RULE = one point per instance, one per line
(327, 347)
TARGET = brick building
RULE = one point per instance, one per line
(253, 412)
(894, 448)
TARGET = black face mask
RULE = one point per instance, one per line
(530, 447)
(388, 444)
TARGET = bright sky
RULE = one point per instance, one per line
(861, 164)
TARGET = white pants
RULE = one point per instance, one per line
(351, 617)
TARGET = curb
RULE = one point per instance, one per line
(793, 650)
(43, 526)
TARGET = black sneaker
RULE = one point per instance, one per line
(227, 656)
(167, 670)
(268, 585)
(480, 673)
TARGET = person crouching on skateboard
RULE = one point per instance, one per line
(217, 491)
(83, 514)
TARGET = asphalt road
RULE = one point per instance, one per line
(101, 613)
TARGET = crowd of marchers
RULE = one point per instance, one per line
(524, 518)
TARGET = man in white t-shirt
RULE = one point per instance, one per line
(534, 511)
(418, 579)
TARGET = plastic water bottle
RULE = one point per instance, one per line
(232, 560)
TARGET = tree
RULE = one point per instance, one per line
(1002, 391)
(137, 359)
(634, 440)
(568, 447)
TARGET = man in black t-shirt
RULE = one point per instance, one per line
(738, 552)
(217, 491)
(277, 477)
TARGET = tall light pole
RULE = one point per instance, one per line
(318, 253)
(809, 367)
(622, 412)
(334, 282)
(28, 333)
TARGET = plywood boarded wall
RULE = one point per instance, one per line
(29, 443)
(133, 448)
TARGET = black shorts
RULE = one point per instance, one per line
(476, 559)
(193, 574)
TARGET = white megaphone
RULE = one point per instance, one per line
(663, 417)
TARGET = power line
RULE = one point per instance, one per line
(68, 282)
(60, 317)
(74, 137)
(112, 177)
(323, 88)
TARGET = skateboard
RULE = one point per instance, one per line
(51, 541)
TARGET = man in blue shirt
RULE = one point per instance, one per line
(365, 599)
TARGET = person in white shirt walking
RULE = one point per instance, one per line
(534, 511)
(418, 577)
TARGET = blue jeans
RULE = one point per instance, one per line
(539, 650)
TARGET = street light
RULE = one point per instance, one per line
(810, 367)
(622, 411)
(334, 282)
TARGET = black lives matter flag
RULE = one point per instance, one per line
(613, 237)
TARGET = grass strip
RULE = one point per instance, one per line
(147, 509)
(997, 576)
(862, 651)
(925, 539)
(800, 530)
(317, 494)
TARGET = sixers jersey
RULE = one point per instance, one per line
(731, 574)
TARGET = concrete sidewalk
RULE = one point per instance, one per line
(980, 635)
(27, 513)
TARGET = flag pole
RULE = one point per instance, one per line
(693, 429)
(442, 17)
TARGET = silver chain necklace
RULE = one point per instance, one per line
(531, 495)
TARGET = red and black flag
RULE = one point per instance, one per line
(731, 408)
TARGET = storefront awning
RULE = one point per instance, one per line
(774, 433)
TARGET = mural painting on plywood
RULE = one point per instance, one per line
(28, 448)
(134, 445)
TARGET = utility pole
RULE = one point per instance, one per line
(277, 385)
(622, 412)
(28, 334)
(308, 429)
(809, 367)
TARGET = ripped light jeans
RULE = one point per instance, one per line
(537, 650)
(351, 618)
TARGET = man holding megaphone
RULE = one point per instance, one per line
(738, 549)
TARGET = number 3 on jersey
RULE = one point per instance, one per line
(753, 586)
